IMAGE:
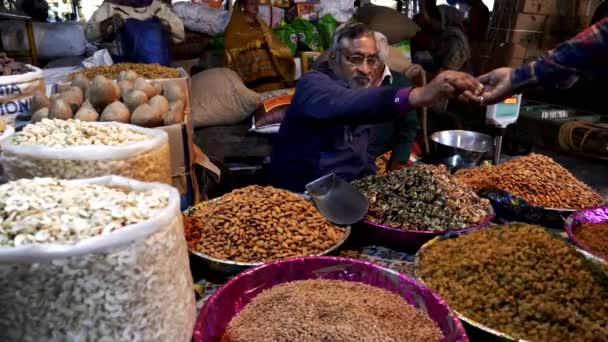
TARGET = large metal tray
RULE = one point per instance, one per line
(228, 267)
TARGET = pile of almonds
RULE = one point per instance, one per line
(259, 224)
(536, 178)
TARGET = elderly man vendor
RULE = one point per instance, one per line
(327, 126)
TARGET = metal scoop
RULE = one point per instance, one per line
(337, 200)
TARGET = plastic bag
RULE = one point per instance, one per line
(341, 10)
(145, 41)
(202, 18)
(147, 160)
(327, 27)
(288, 36)
(133, 284)
(53, 40)
(308, 35)
(17, 92)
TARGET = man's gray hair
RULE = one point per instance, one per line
(349, 31)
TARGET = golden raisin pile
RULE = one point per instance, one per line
(536, 178)
(520, 280)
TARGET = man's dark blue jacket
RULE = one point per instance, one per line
(327, 129)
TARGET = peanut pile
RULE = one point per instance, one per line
(536, 178)
(330, 310)
(595, 237)
(148, 71)
(259, 224)
(520, 280)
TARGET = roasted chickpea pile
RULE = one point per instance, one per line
(520, 280)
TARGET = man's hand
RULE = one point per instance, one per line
(447, 84)
(415, 73)
(110, 26)
(497, 85)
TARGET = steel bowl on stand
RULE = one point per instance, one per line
(457, 148)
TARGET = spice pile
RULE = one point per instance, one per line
(595, 237)
(536, 178)
(330, 310)
(46, 210)
(9, 67)
(149, 71)
(259, 224)
(422, 197)
(520, 280)
(60, 133)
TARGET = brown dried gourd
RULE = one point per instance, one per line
(520, 280)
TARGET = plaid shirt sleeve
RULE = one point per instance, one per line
(584, 55)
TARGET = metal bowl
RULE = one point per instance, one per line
(407, 238)
(575, 221)
(229, 268)
(458, 148)
(230, 299)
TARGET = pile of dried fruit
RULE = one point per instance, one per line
(595, 237)
(536, 178)
(520, 280)
(259, 224)
(149, 71)
(422, 197)
(46, 210)
(330, 310)
(9, 67)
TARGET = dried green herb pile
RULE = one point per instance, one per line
(522, 281)
(422, 197)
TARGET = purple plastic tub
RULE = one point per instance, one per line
(230, 299)
(411, 239)
(590, 215)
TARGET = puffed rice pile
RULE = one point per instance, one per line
(47, 210)
(66, 133)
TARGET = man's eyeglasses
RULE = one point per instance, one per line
(356, 59)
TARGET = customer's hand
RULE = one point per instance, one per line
(447, 84)
(110, 26)
(497, 85)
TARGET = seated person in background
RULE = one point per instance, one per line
(327, 129)
(254, 52)
(109, 18)
(395, 136)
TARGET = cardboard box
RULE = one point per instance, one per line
(539, 6)
(505, 54)
(307, 11)
(530, 22)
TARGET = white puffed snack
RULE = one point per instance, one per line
(71, 149)
(128, 281)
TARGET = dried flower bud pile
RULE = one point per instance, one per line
(595, 237)
(330, 310)
(259, 224)
(422, 197)
(536, 178)
(46, 210)
(33, 152)
(66, 133)
(149, 71)
(520, 280)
